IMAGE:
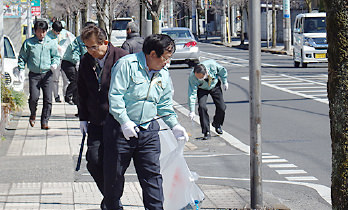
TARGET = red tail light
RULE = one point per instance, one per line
(190, 44)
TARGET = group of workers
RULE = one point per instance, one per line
(118, 93)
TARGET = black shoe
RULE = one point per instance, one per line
(77, 115)
(218, 130)
(57, 99)
(207, 136)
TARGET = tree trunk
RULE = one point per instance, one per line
(274, 25)
(242, 37)
(155, 24)
(337, 27)
(84, 13)
(309, 5)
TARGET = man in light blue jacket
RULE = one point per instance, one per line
(204, 80)
(140, 89)
(40, 54)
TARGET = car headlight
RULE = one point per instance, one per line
(308, 41)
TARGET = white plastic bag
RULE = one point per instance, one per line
(179, 188)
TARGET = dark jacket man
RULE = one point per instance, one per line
(134, 42)
(93, 87)
(94, 97)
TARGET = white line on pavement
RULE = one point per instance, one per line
(282, 165)
(324, 191)
(274, 161)
(301, 178)
(291, 171)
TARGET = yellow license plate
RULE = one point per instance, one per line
(321, 55)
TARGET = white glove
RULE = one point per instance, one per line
(130, 129)
(180, 132)
(83, 126)
(54, 67)
(225, 86)
(192, 115)
(21, 76)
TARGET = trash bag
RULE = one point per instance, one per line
(179, 188)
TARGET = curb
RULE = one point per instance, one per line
(245, 47)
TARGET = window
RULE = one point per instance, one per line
(315, 25)
(8, 49)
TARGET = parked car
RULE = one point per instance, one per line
(118, 33)
(310, 44)
(10, 65)
(187, 50)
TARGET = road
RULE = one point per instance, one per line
(296, 142)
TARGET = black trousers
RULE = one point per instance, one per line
(95, 154)
(71, 73)
(219, 117)
(118, 152)
(45, 82)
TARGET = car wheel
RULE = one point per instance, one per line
(193, 63)
(296, 64)
(304, 65)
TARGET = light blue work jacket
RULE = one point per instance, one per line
(134, 96)
(214, 71)
(39, 56)
(75, 51)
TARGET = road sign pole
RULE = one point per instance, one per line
(287, 25)
(255, 104)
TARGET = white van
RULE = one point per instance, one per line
(310, 44)
(118, 33)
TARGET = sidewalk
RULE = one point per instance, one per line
(37, 170)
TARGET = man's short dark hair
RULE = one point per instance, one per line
(159, 43)
(41, 24)
(89, 23)
(92, 30)
(57, 26)
(200, 69)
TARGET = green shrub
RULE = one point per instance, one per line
(11, 100)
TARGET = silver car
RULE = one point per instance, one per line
(187, 50)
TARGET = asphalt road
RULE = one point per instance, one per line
(296, 142)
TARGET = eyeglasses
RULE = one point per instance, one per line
(93, 48)
(165, 59)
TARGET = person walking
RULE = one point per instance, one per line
(70, 63)
(140, 89)
(40, 55)
(134, 42)
(93, 86)
(204, 80)
(63, 38)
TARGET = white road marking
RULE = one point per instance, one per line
(282, 165)
(211, 155)
(210, 55)
(301, 178)
(324, 191)
(274, 161)
(269, 157)
(296, 81)
(291, 171)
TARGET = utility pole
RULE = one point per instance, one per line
(1, 46)
(287, 25)
(267, 25)
(194, 28)
(206, 18)
(171, 14)
(223, 22)
(29, 19)
(255, 104)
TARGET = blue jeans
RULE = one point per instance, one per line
(45, 82)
